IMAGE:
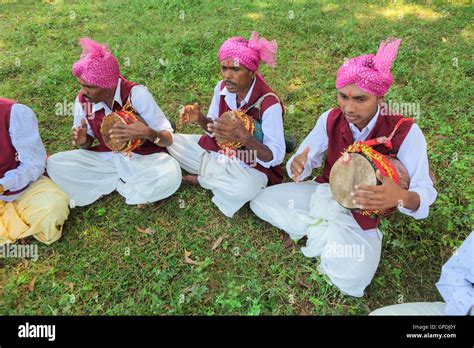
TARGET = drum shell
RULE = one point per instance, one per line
(357, 169)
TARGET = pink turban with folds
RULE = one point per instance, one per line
(371, 73)
(249, 53)
(97, 65)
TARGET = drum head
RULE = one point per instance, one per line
(233, 116)
(349, 170)
(228, 117)
(109, 121)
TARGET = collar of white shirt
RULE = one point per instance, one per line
(362, 134)
(231, 98)
(102, 105)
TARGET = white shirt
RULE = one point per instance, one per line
(142, 101)
(272, 122)
(27, 142)
(412, 153)
(456, 283)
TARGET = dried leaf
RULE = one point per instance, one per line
(25, 263)
(282, 236)
(70, 285)
(302, 283)
(218, 242)
(146, 231)
(188, 260)
(31, 285)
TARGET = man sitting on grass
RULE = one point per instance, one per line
(348, 242)
(30, 203)
(236, 176)
(146, 175)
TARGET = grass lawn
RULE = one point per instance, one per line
(104, 266)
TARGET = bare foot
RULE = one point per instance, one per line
(190, 179)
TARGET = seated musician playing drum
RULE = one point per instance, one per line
(352, 138)
(30, 203)
(132, 134)
(244, 145)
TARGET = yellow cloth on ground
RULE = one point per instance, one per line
(40, 212)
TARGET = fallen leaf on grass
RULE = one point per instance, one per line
(146, 231)
(188, 260)
(302, 283)
(70, 285)
(31, 285)
(218, 242)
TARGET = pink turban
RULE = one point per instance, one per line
(249, 53)
(97, 65)
(371, 73)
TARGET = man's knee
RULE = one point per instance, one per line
(173, 174)
(347, 269)
(268, 196)
(53, 203)
(258, 203)
(55, 161)
(247, 190)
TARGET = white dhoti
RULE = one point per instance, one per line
(87, 175)
(413, 308)
(232, 182)
(349, 255)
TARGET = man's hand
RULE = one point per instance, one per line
(79, 134)
(385, 196)
(297, 165)
(231, 130)
(190, 114)
(127, 132)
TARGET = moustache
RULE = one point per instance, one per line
(350, 115)
(229, 83)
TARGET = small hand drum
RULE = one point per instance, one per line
(109, 121)
(236, 116)
(358, 166)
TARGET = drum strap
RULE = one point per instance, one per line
(387, 141)
(129, 107)
(258, 104)
(258, 133)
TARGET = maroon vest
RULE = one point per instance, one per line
(274, 174)
(340, 137)
(95, 120)
(8, 154)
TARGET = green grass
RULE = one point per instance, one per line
(102, 265)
